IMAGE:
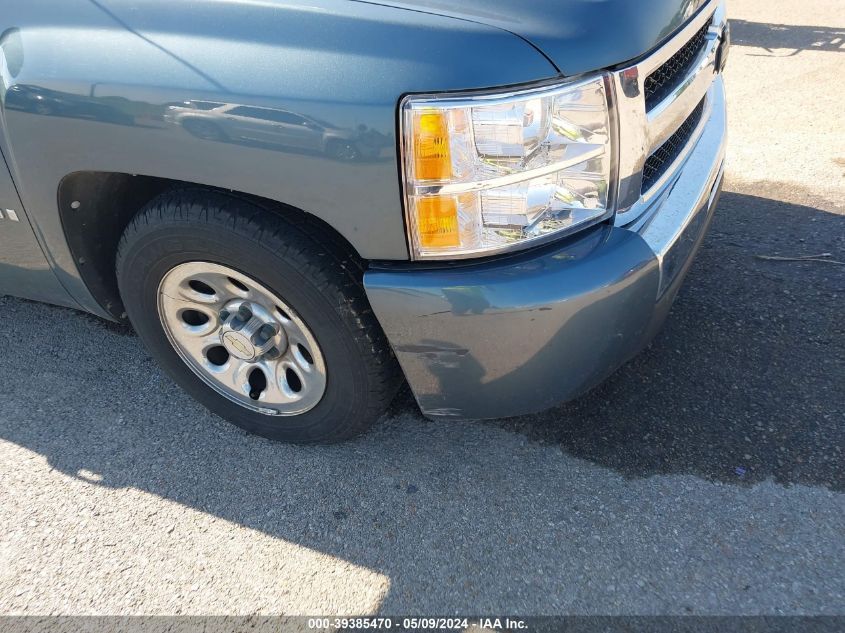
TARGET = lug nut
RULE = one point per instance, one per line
(243, 316)
(266, 332)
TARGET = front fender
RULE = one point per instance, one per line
(102, 86)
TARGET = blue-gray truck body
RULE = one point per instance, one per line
(298, 103)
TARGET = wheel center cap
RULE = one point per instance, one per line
(248, 332)
(238, 345)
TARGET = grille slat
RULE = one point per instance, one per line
(660, 83)
(663, 157)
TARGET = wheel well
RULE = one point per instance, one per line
(96, 207)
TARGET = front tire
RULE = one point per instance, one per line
(254, 317)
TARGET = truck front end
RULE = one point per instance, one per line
(551, 225)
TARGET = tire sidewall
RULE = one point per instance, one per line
(163, 246)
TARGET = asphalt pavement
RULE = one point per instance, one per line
(706, 476)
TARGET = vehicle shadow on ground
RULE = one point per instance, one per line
(798, 38)
(743, 385)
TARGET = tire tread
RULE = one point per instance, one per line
(331, 268)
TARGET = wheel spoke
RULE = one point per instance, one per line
(294, 332)
(234, 375)
(275, 390)
(294, 357)
(198, 345)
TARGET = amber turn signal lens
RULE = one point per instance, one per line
(431, 146)
(437, 222)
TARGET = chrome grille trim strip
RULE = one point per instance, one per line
(672, 170)
(659, 83)
(642, 132)
(667, 116)
(662, 54)
(661, 159)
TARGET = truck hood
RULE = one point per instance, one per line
(576, 35)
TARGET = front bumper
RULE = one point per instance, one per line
(520, 334)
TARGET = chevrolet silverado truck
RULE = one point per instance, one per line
(300, 205)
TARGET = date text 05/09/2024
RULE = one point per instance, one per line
(417, 623)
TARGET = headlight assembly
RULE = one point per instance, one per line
(488, 172)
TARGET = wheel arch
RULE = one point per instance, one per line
(96, 206)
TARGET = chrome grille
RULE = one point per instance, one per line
(663, 157)
(664, 79)
(663, 101)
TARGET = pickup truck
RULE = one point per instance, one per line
(300, 205)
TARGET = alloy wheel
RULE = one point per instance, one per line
(241, 338)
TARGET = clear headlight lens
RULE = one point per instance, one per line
(490, 172)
